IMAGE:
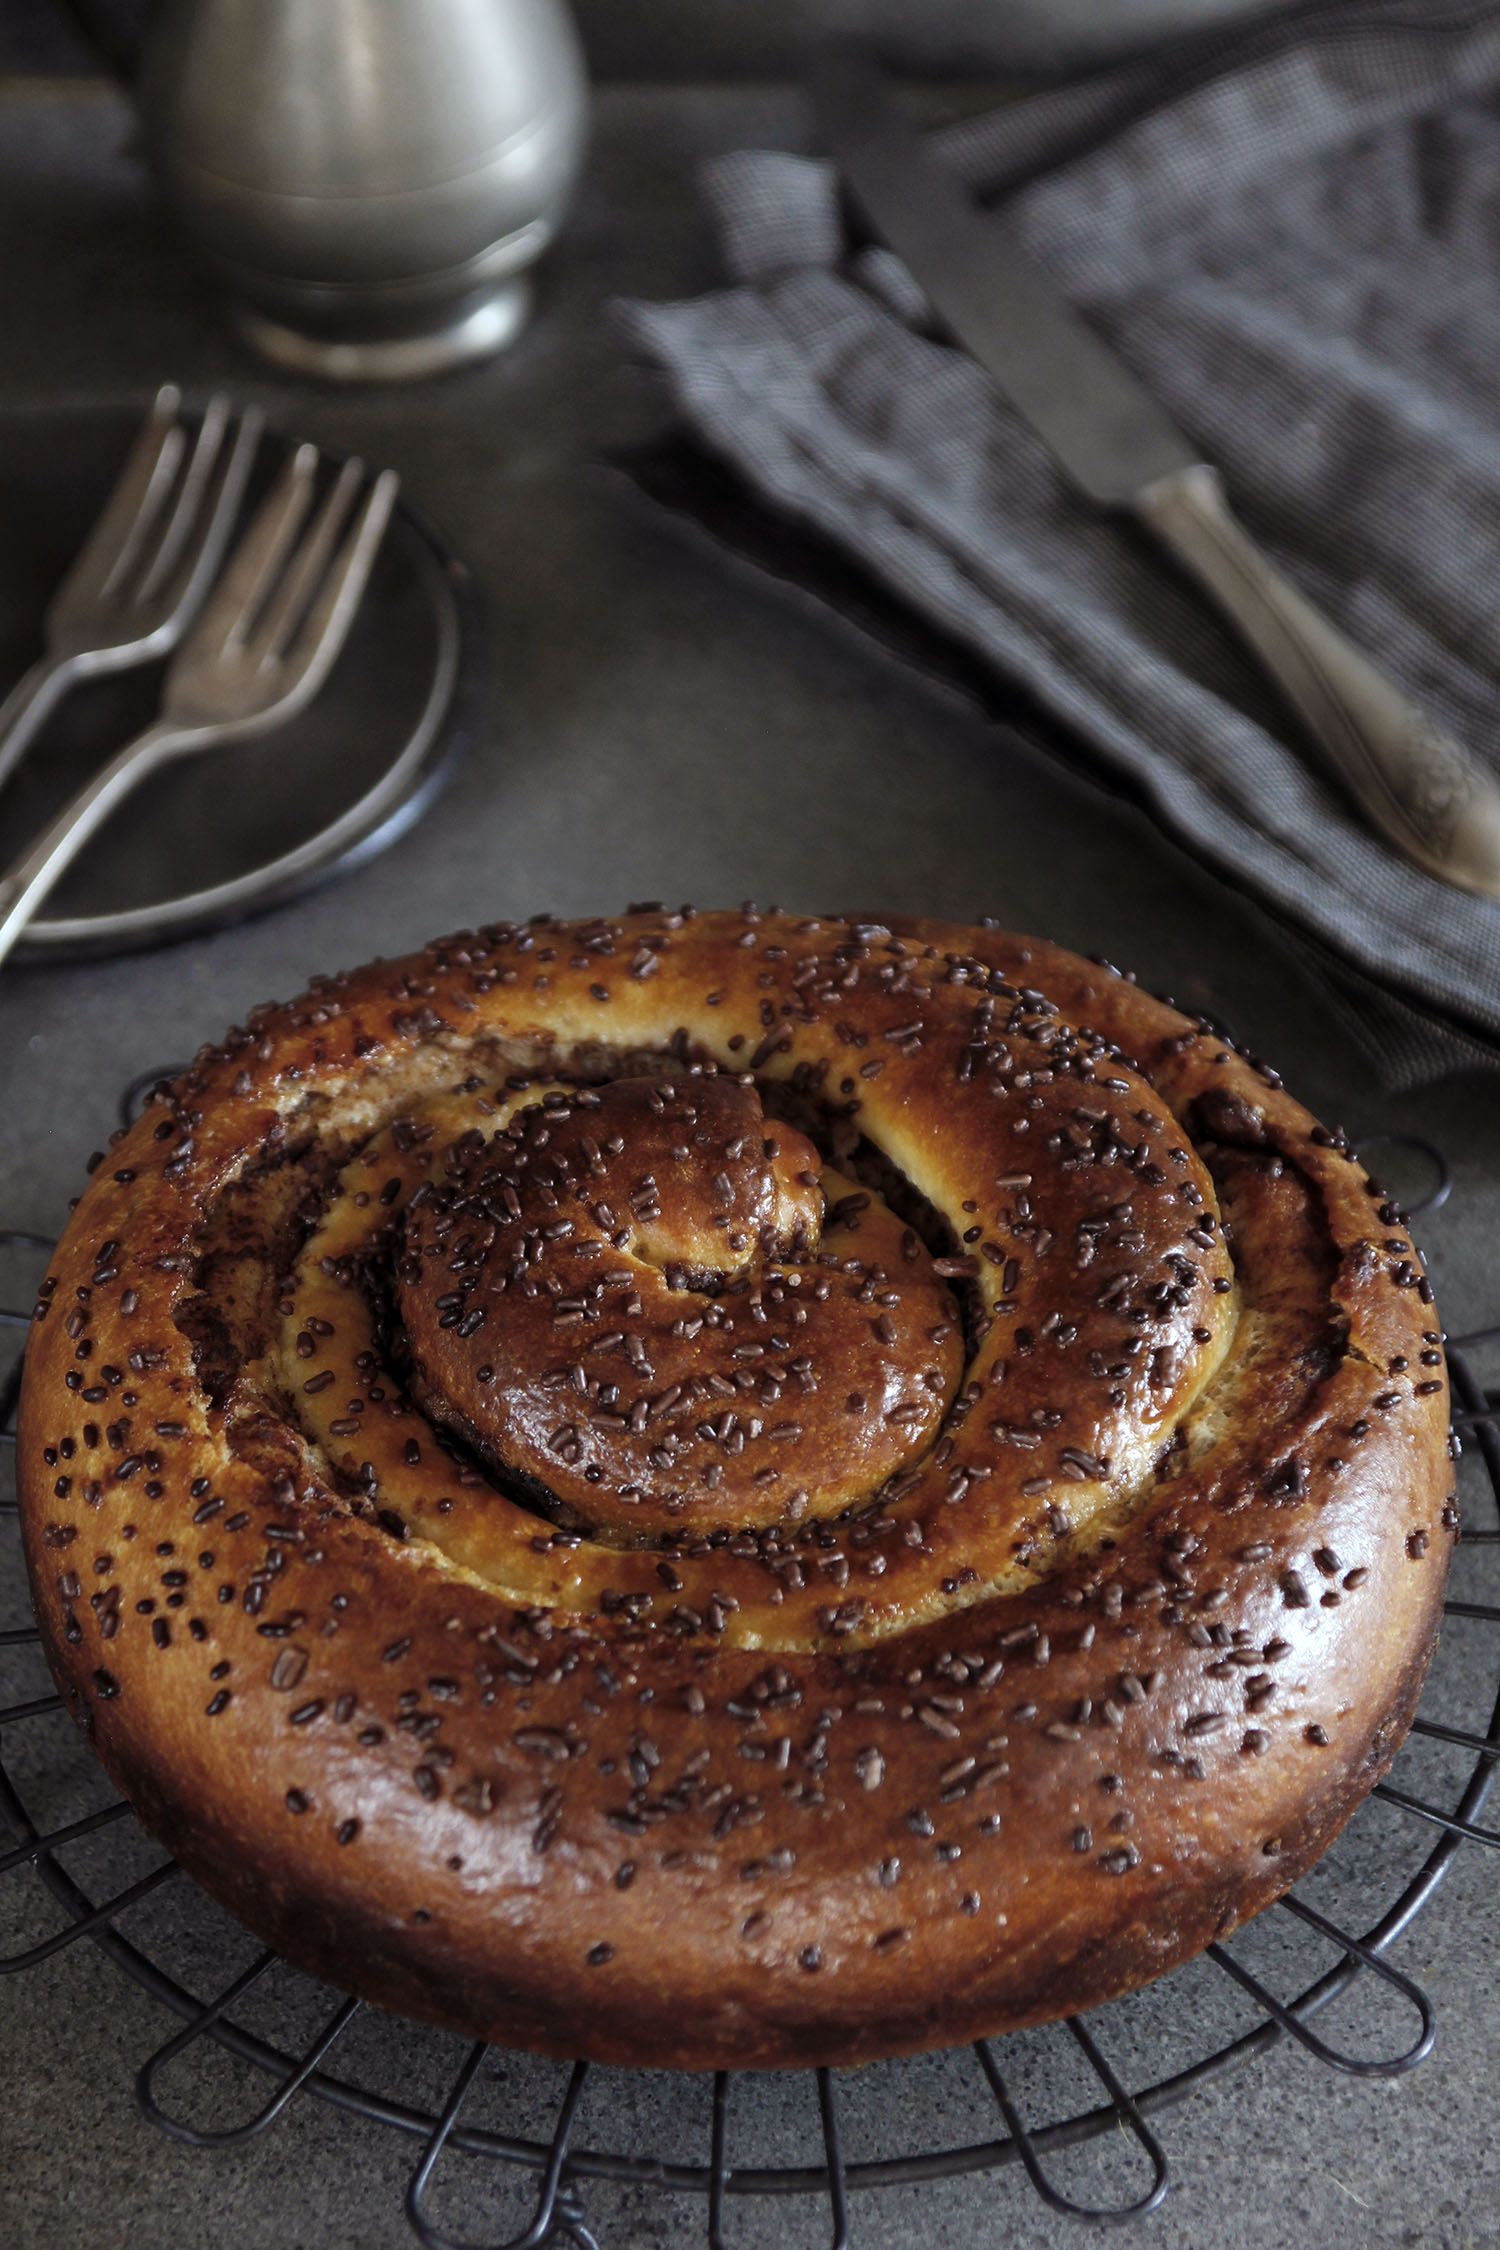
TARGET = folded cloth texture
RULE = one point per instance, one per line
(1292, 233)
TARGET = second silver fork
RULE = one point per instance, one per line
(261, 649)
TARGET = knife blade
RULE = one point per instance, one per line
(1108, 434)
(1118, 447)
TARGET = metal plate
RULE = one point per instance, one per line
(220, 836)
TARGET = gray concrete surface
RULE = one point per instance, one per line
(697, 39)
(664, 721)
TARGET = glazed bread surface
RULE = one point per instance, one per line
(732, 1489)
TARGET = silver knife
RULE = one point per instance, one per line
(1117, 447)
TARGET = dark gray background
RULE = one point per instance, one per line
(711, 38)
(662, 721)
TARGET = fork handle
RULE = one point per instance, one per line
(28, 879)
(27, 706)
(1413, 782)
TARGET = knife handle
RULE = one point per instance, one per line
(1413, 781)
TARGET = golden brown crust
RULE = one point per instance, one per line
(1096, 1675)
(627, 1298)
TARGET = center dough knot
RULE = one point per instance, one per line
(653, 1304)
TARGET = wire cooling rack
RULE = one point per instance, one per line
(252, 2043)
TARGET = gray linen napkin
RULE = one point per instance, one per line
(1292, 233)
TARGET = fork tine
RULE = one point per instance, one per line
(187, 502)
(198, 564)
(256, 562)
(132, 506)
(326, 626)
(290, 603)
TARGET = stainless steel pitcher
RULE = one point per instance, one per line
(370, 180)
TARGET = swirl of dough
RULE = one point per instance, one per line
(881, 1451)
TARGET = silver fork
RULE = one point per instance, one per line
(263, 646)
(144, 569)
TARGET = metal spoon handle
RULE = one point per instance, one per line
(1414, 782)
(29, 878)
